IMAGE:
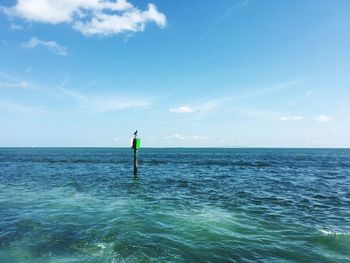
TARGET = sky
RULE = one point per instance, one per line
(199, 73)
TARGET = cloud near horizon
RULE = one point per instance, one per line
(291, 118)
(322, 118)
(92, 17)
(182, 138)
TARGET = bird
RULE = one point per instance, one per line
(135, 133)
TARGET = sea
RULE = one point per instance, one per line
(186, 205)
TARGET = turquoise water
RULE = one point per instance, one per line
(188, 205)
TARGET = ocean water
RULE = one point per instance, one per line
(188, 205)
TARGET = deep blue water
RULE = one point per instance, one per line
(188, 205)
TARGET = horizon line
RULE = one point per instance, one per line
(173, 147)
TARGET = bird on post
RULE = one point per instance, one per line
(135, 134)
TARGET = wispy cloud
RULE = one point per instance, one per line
(17, 107)
(94, 17)
(95, 103)
(300, 99)
(16, 27)
(229, 11)
(291, 118)
(182, 138)
(117, 104)
(17, 84)
(11, 82)
(308, 93)
(211, 105)
(182, 109)
(199, 108)
(255, 114)
(175, 137)
(272, 89)
(322, 118)
(51, 45)
(103, 104)
(227, 14)
(198, 137)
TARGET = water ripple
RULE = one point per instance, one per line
(188, 205)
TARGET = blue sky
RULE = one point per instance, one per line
(184, 73)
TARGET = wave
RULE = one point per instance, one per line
(230, 163)
(153, 162)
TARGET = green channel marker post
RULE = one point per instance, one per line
(136, 146)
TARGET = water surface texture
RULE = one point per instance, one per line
(188, 205)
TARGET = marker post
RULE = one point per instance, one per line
(136, 146)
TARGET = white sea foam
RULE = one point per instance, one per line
(101, 245)
(328, 232)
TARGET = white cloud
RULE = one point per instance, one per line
(90, 17)
(291, 118)
(133, 21)
(182, 109)
(322, 118)
(51, 45)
